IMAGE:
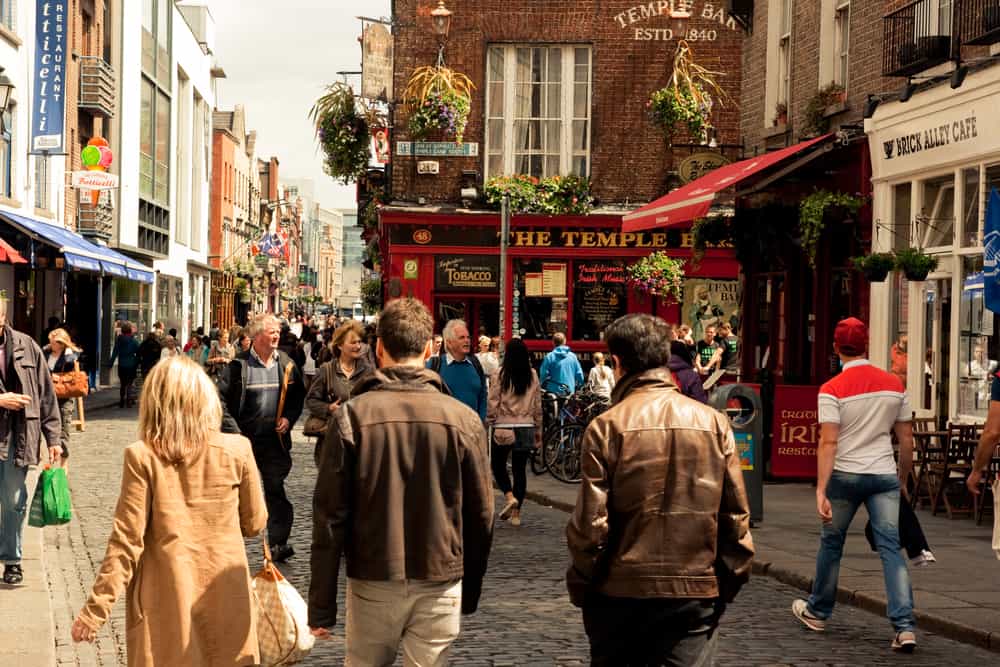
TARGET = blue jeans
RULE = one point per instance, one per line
(880, 495)
(13, 503)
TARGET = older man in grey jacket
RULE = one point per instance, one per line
(28, 411)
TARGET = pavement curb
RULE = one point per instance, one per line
(932, 622)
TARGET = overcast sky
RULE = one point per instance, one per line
(278, 56)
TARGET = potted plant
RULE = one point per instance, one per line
(876, 266)
(439, 100)
(816, 110)
(342, 133)
(813, 213)
(780, 114)
(687, 99)
(658, 274)
(915, 263)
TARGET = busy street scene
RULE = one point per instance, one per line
(427, 332)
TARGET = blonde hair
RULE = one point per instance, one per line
(179, 409)
(60, 335)
(598, 358)
(260, 324)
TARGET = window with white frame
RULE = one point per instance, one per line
(7, 13)
(841, 41)
(944, 17)
(42, 182)
(538, 110)
(785, 53)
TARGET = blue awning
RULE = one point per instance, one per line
(78, 251)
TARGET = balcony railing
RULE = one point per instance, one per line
(97, 86)
(95, 221)
(978, 21)
(916, 37)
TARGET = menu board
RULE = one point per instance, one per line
(532, 284)
(553, 279)
(600, 297)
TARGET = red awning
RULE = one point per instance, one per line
(693, 200)
(8, 254)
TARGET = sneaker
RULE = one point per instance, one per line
(508, 509)
(12, 574)
(281, 552)
(801, 610)
(904, 641)
(923, 559)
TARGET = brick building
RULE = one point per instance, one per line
(559, 89)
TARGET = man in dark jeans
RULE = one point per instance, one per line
(651, 586)
(252, 387)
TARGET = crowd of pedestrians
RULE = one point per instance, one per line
(409, 429)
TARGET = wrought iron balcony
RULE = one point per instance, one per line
(978, 21)
(97, 86)
(916, 37)
(95, 221)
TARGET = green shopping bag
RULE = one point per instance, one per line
(51, 504)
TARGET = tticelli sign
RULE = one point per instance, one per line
(645, 21)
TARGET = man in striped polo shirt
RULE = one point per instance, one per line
(857, 410)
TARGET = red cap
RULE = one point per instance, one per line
(852, 334)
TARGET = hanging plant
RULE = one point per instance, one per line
(371, 295)
(557, 195)
(687, 99)
(812, 211)
(876, 266)
(658, 274)
(816, 121)
(438, 99)
(915, 263)
(714, 231)
(342, 132)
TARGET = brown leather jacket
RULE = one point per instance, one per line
(403, 490)
(662, 512)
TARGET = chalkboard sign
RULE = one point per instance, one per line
(600, 297)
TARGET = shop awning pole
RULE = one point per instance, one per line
(504, 239)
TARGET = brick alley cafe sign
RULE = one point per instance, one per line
(650, 21)
(538, 238)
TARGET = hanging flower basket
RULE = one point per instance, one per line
(915, 263)
(812, 217)
(439, 100)
(687, 100)
(658, 275)
(876, 266)
(342, 132)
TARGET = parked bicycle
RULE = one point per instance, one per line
(563, 437)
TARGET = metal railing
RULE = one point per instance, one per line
(95, 221)
(97, 86)
(916, 37)
(978, 21)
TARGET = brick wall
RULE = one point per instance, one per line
(223, 150)
(629, 159)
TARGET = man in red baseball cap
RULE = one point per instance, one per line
(857, 410)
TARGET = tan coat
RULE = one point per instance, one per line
(177, 546)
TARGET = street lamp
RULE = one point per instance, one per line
(680, 14)
(6, 87)
(442, 21)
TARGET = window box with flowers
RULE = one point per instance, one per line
(557, 195)
(658, 275)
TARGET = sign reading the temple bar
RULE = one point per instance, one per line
(49, 103)
(467, 273)
(436, 149)
(635, 20)
(539, 238)
(376, 63)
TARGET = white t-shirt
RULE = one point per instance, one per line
(601, 380)
(309, 368)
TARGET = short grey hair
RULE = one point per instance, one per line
(449, 329)
(260, 323)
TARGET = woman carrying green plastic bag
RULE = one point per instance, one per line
(51, 505)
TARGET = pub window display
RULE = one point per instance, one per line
(600, 296)
(542, 303)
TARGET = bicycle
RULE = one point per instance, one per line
(562, 442)
(552, 406)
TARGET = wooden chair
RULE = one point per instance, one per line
(950, 474)
(921, 427)
(984, 501)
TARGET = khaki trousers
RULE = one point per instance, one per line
(421, 616)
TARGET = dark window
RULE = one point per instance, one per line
(600, 296)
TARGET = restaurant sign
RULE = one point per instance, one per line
(795, 432)
(695, 166)
(467, 273)
(436, 149)
(540, 238)
(376, 63)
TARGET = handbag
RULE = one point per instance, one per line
(71, 384)
(282, 617)
(51, 504)
(996, 517)
(315, 427)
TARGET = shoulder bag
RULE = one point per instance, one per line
(315, 427)
(282, 617)
(71, 384)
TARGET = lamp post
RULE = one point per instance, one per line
(441, 16)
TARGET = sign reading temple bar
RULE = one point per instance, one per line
(49, 103)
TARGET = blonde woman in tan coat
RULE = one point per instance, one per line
(189, 496)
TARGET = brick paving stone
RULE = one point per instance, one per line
(524, 618)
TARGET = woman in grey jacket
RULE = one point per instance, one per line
(514, 410)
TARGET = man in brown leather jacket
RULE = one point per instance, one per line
(660, 537)
(403, 491)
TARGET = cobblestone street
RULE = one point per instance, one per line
(524, 618)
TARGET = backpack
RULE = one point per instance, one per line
(437, 361)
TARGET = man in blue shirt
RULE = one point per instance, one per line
(462, 373)
(560, 372)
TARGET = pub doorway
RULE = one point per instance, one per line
(482, 314)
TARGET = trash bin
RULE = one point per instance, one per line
(743, 407)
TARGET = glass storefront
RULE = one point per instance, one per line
(132, 301)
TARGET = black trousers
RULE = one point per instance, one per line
(126, 376)
(519, 466)
(275, 462)
(654, 632)
(911, 534)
